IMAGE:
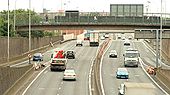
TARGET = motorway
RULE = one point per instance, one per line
(110, 65)
(51, 83)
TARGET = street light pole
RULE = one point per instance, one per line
(8, 35)
(160, 50)
(157, 46)
(15, 14)
(29, 28)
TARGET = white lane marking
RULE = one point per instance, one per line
(59, 88)
(101, 62)
(34, 80)
(141, 62)
(45, 72)
(61, 82)
(91, 72)
(41, 88)
(137, 75)
(149, 48)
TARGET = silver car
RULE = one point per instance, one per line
(113, 54)
(69, 74)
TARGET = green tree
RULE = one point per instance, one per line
(21, 18)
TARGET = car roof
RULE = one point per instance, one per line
(112, 50)
(70, 70)
(70, 50)
(37, 54)
(122, 69)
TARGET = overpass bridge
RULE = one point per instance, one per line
(95, 22)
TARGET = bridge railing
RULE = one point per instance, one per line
(89, 18)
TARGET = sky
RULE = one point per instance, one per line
(82, 5)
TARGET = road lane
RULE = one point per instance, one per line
(51, 83)
(110, 65)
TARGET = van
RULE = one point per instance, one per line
(79, 43)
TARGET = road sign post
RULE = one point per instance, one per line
(29, 58)
(157, 46)
(157, 34)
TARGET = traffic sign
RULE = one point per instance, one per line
(151, 33)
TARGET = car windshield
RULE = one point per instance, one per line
(69, 71)
(69, 51)
(37, 55)
(122, 70)
(58, 61)
(131, 55)
(113, 51)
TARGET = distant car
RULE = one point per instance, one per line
(122, 73)
(121, 89)
(118, 36)
(123, 38)
(79, 43)
(113, 54)
(70, 54)
(106, 35)
(102, 38)
(37, 57)
(127, 43)
(69, 74)
(130, 37)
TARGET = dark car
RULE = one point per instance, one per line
(37, 57)
(70, 54)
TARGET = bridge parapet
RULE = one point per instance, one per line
(93, 18)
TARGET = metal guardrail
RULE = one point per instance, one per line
(92, 18)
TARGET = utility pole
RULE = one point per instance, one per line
(160, 49)
(29, 29)
(8, 36)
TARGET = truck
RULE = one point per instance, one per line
(134, 88)
(94, 38)
(131, 57)
(58, 64)
(58, 61)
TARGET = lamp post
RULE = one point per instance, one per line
(15, 15)
(29, 28)
(160, 50)
(8, 36)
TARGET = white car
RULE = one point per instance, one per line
(69, 74)
(79, 43)
(113, 54)
(102, 38)
(127, 43)
(121, 89)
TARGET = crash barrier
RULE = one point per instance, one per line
(10, 75)
(96, 68)
(19, 46)
(66, 41)
(164, 76)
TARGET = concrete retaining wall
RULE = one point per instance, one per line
(19, 46)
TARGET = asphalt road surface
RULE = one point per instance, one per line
(51, 83)
(110, 65)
